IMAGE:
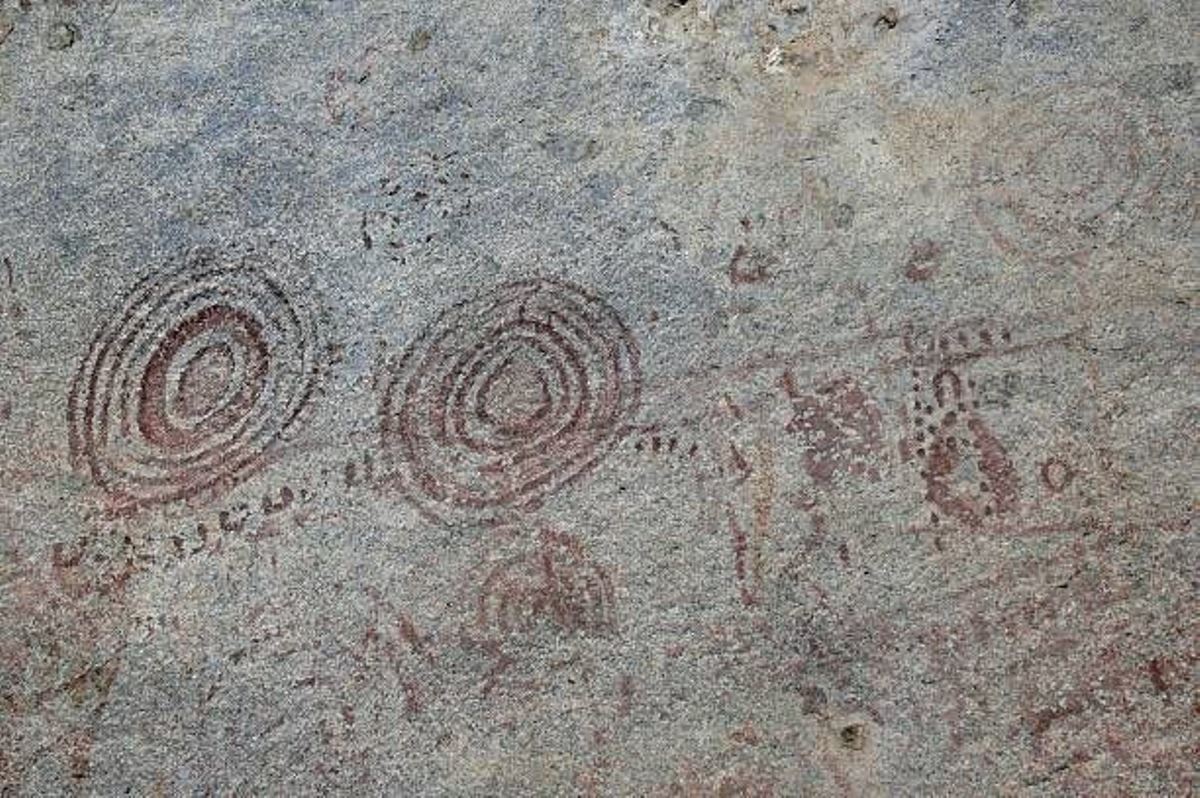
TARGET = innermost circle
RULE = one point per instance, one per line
(515, 396)
(204, 381)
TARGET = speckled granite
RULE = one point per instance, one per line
(657, 397)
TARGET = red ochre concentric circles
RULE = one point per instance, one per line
(507, 397)
(191, 382)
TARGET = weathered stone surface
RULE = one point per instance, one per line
(654, 397)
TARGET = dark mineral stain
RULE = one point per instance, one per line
(61, 36)
(853, 737)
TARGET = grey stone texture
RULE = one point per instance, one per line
(634, 397)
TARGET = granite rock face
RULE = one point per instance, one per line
(655, 397)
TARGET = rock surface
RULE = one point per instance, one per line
(635, 397)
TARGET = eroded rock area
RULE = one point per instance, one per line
(654, 397)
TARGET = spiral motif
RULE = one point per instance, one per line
(507, 397)
(1065, 169)
(186, 388)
